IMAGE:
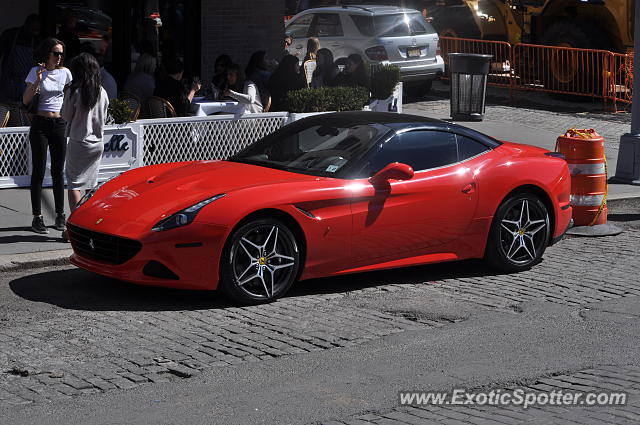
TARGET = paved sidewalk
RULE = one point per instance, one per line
(525, 123)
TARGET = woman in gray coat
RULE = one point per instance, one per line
(85, 111)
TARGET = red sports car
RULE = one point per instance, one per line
(327, 195)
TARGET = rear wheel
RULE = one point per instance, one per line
(519, 233)
(260, 262)
(565, 68)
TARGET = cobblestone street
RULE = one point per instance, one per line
(72, 334)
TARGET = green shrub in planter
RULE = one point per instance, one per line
(384, 80)
(120, 111)
(328, 99)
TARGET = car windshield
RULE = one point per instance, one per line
(314, 147)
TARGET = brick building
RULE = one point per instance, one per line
(197, 30)
(238, 28)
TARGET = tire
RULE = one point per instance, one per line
(457, 22)
(563, 72)
(260, 262)
(519, 233)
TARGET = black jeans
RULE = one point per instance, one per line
(47, 132)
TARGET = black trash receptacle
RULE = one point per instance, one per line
(468, 85)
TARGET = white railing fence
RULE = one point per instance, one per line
(147, 142)
(172, 140)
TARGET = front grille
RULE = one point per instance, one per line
(101, 247)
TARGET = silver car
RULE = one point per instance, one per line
(379, 34)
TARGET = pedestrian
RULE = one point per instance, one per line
(285, 79)
(243, 90)
(45, 87)
(16, 50)
(313, 45)
(85, 111)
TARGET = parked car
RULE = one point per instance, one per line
(327, 195)
(379, 34)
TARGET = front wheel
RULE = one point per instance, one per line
(260, 262)
(519, 233)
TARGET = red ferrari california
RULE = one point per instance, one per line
(327, 195)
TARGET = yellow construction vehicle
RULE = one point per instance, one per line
(594, 24)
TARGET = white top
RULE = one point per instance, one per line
(250, 98)
(109, 83)
(51, 87)
(84, 124)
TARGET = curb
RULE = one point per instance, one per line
(30, 260)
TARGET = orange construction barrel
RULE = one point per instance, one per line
(584, 152)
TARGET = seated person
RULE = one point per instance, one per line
(354, 73)
(243, 91)
(171, 88)
(219, 80)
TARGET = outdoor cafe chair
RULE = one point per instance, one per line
(133, 101)
(160, 108)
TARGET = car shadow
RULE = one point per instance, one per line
(77, 289)
(427, 274)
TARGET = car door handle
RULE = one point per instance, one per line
(336, 45)
(469, 188)
(299, 46)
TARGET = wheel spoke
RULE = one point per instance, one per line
(245, 271)
(524, 245)
(275, 267)
(241, 242)
(510, 254)
(541, 225)
(524, 205)
(533, 246)
(266, 241)
(507, 229)
(272, 273)
(248, 279)
(264, 284)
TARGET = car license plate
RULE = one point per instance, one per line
(413, 52)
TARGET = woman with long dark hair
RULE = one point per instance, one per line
(326, 70)
(285, 79)
(45, 85)
(85, 110)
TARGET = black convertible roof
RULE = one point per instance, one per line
(384, 118)
(397, 122)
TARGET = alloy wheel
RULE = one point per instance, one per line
(524, 232)
(264, 261)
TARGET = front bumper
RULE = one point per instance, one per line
(191, 254)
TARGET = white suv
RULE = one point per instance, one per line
(380, 34)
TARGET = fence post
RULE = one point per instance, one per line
(512, 70)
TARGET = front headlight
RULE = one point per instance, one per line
(89, 193)
(183, 217)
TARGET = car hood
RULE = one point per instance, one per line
(145, 197)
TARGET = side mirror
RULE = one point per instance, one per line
(395, 171)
